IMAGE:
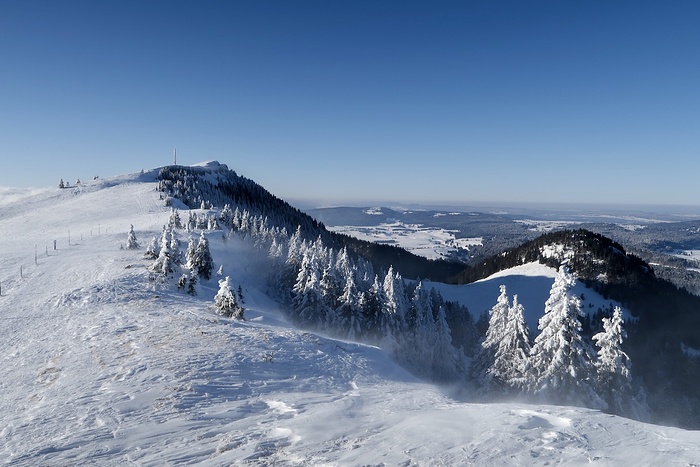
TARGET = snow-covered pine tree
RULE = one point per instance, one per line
(295, 248)
(191, 283)
(164, 262)
(190, 253)
(395, 304)
(174, 246)
(307, 302)
(152, 250)
(330, 292)
(191, 221)
(348, 310)
(417, 350)
(446, 360)
(560, 365)
(182, 282)
(202, 261)
(486, 379)
(613, 365)
(175, 221)
(226, 215)
(371, 301)
(225, 300)
(212, 222)
(512, 353)
(131, 242)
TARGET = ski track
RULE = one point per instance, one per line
(101, 366)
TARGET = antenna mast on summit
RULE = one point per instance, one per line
(175, 156)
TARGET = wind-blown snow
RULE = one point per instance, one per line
(12, 194)
(99, 366)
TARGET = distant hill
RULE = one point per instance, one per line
(216, 185)
(665, 333)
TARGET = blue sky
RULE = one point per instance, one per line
(461, 102)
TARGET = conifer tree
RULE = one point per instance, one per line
(613, 364)
(512, 353)
(190, 254)
(164, 262)
(191, 221)
(182, 282)
(174, 247)
(191, 283)
(484, 360)
(371, 301)
(395, 304)
(226, 215)
(561, 365)
(445, 364)
(348, 310)
(201, 259)
(131, 242)
(307, 302)
(175, 221)
(225, 300)
(152, 250)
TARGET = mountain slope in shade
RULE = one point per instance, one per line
(100, 366)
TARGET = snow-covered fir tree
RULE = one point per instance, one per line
(174, 246)
(152, 250)
(371, 301)
(307, 302)
(182, 282)
(613, 364)
(175, 221)
(225, 300)
(348, 311)
(446, 364)
(190, 253)
(226, 215)
(511, 359)
(166, 256)
(131, 242)
(191, 283)
(191, 221)
(560, 364)
(487, 380)
(395, 305)
(202, 261)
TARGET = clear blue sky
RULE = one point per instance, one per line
(569, 101)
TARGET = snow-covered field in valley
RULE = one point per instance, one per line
(101, 366)
(429, 242)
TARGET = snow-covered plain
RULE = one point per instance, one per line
(100, 366)
(429, 242)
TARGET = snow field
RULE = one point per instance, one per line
(429, 242)
(101, 366)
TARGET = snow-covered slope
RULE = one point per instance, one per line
(531, 282)
(100, 366)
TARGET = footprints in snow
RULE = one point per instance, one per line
(550, 433)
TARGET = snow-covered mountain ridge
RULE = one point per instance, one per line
(101, 366)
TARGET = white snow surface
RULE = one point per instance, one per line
(531, 282)
(428, 242)
(99, 366)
